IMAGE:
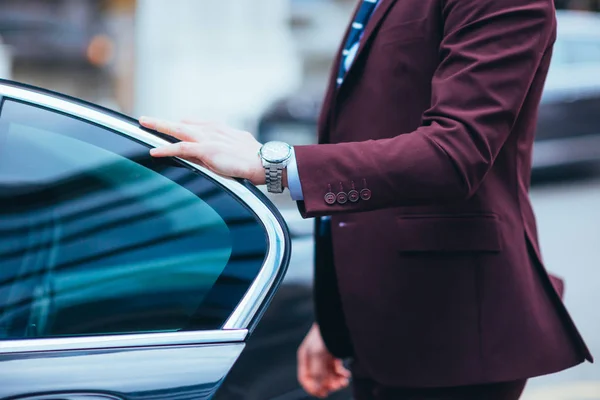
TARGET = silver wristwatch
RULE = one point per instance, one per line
(275, 157)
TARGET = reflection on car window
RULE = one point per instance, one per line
(96, 237)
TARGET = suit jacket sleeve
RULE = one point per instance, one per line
(490, 52)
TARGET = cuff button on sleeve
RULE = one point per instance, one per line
(365, 194)
(330, 198)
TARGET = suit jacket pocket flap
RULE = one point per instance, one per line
(449, 233)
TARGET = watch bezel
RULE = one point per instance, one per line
(280, 160)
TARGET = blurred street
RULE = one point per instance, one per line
(568, 216)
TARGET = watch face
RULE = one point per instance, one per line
(275, 151)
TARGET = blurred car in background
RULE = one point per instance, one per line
(51, 32)
(62, 45)
(568, 130)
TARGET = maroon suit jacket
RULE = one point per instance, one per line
(439, 273)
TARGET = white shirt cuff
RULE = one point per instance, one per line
(293, 179)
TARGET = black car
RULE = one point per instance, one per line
(123, 276)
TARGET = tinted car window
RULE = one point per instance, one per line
(97, 237)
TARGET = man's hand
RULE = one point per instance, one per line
(319, 372)
(220, 148)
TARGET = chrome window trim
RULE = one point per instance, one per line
(132, 340)
(250, 303)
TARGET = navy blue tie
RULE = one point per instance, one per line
(352, 42)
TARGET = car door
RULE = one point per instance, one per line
(121, 276)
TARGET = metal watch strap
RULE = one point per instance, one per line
(274, 178)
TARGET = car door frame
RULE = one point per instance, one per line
(248, 311)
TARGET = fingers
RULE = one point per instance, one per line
(319, 372)
(340, 370)
(337, 377)
(177, 130)
(333, 385)
(336, 382)
(306, 375)
(189, 151)
(197, 122)
(320, 375)
(216, 127)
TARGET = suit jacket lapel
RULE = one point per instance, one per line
(333, 90)
(331, 86)
(371, 27)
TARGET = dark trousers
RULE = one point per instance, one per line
(366, 389)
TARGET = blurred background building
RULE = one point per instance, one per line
(262, 65)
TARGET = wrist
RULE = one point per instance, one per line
(275, 157)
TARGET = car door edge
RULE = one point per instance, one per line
(254, 302)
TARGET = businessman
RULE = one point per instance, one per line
(431, 280)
